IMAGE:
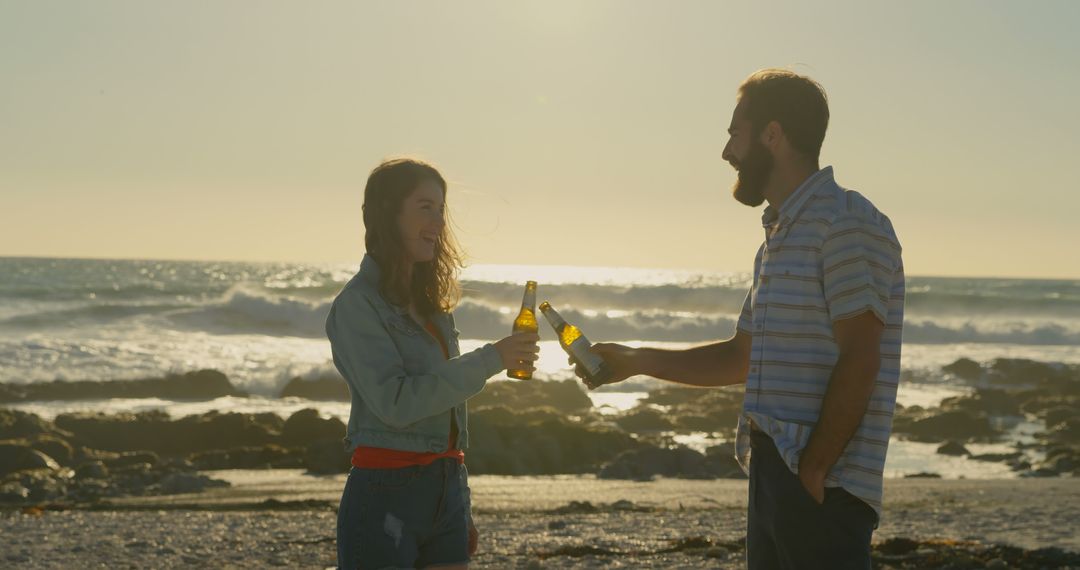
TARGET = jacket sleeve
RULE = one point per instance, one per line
(369, 360)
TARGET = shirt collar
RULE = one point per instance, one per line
(794, 203)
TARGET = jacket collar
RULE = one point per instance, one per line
(369, 275)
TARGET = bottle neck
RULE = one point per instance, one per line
(554, 318)
(529, 299)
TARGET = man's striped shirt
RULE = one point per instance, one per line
(828, 255)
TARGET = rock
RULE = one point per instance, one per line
(19, 424)
(1061, 461)
(953, 448)
(307, 426)
(257, 457)
(155, 431)
(961, 425)
(644, 419)
(566, 396)
(540, 441)
(1021, 372)
(43, 484)
(89, 490)
(922, 475)
(1040, 402)
(54, 447)
(697, 409)
(129, 458)
(576, 507)
(997, 564)
(985, 401)
(1065, 431)
(142, 471)
(996, 457)
(720, 459)
(198, 385)
(17, 455)
(327, 457)
(175, 464)
(1020, 465)
(644, 464)
(333, 389)
(177, 483)
(13, 492)
(556, 525)
(1059, 414)
(92, 470)
(964, 368)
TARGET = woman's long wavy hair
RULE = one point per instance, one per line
(434, 286)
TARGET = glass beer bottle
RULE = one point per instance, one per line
(577, 346)
(525, 322)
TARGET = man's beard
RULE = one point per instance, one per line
(754, 173)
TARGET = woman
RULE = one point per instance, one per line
(406, 500)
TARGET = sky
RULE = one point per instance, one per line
(571, 132)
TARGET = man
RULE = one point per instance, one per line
(817, 343)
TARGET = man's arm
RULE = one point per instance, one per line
(850, 387)
(719, 364)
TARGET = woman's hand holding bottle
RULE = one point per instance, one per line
(519, 350)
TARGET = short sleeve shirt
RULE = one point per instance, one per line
(828, 255)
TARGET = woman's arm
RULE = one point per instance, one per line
(369, 360)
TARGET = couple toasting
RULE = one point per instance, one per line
(817, 347)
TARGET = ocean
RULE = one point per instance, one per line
(262, 323)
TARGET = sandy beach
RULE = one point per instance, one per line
(286, 518)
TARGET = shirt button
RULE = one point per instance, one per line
(754, 370)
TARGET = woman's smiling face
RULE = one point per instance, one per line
(422, 221)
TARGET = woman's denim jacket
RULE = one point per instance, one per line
(403, 389)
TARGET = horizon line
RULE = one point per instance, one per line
(683, 269)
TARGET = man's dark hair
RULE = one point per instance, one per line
(796, 102)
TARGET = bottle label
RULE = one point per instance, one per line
(579, 349)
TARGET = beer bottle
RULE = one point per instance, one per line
(577, 346)
(525, 322)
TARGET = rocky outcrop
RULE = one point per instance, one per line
(953, 448)
(937, 426)
(540, 441)
(682, 462)
(331, 389)
(566, 396)
(156, 431)
(307, 426)
(698, 409)
(198, 385)
(270, 456)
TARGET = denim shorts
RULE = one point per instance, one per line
(412, 517)
(787, 528)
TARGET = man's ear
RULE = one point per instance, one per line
(772, 134)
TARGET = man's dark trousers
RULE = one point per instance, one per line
(789, 529)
